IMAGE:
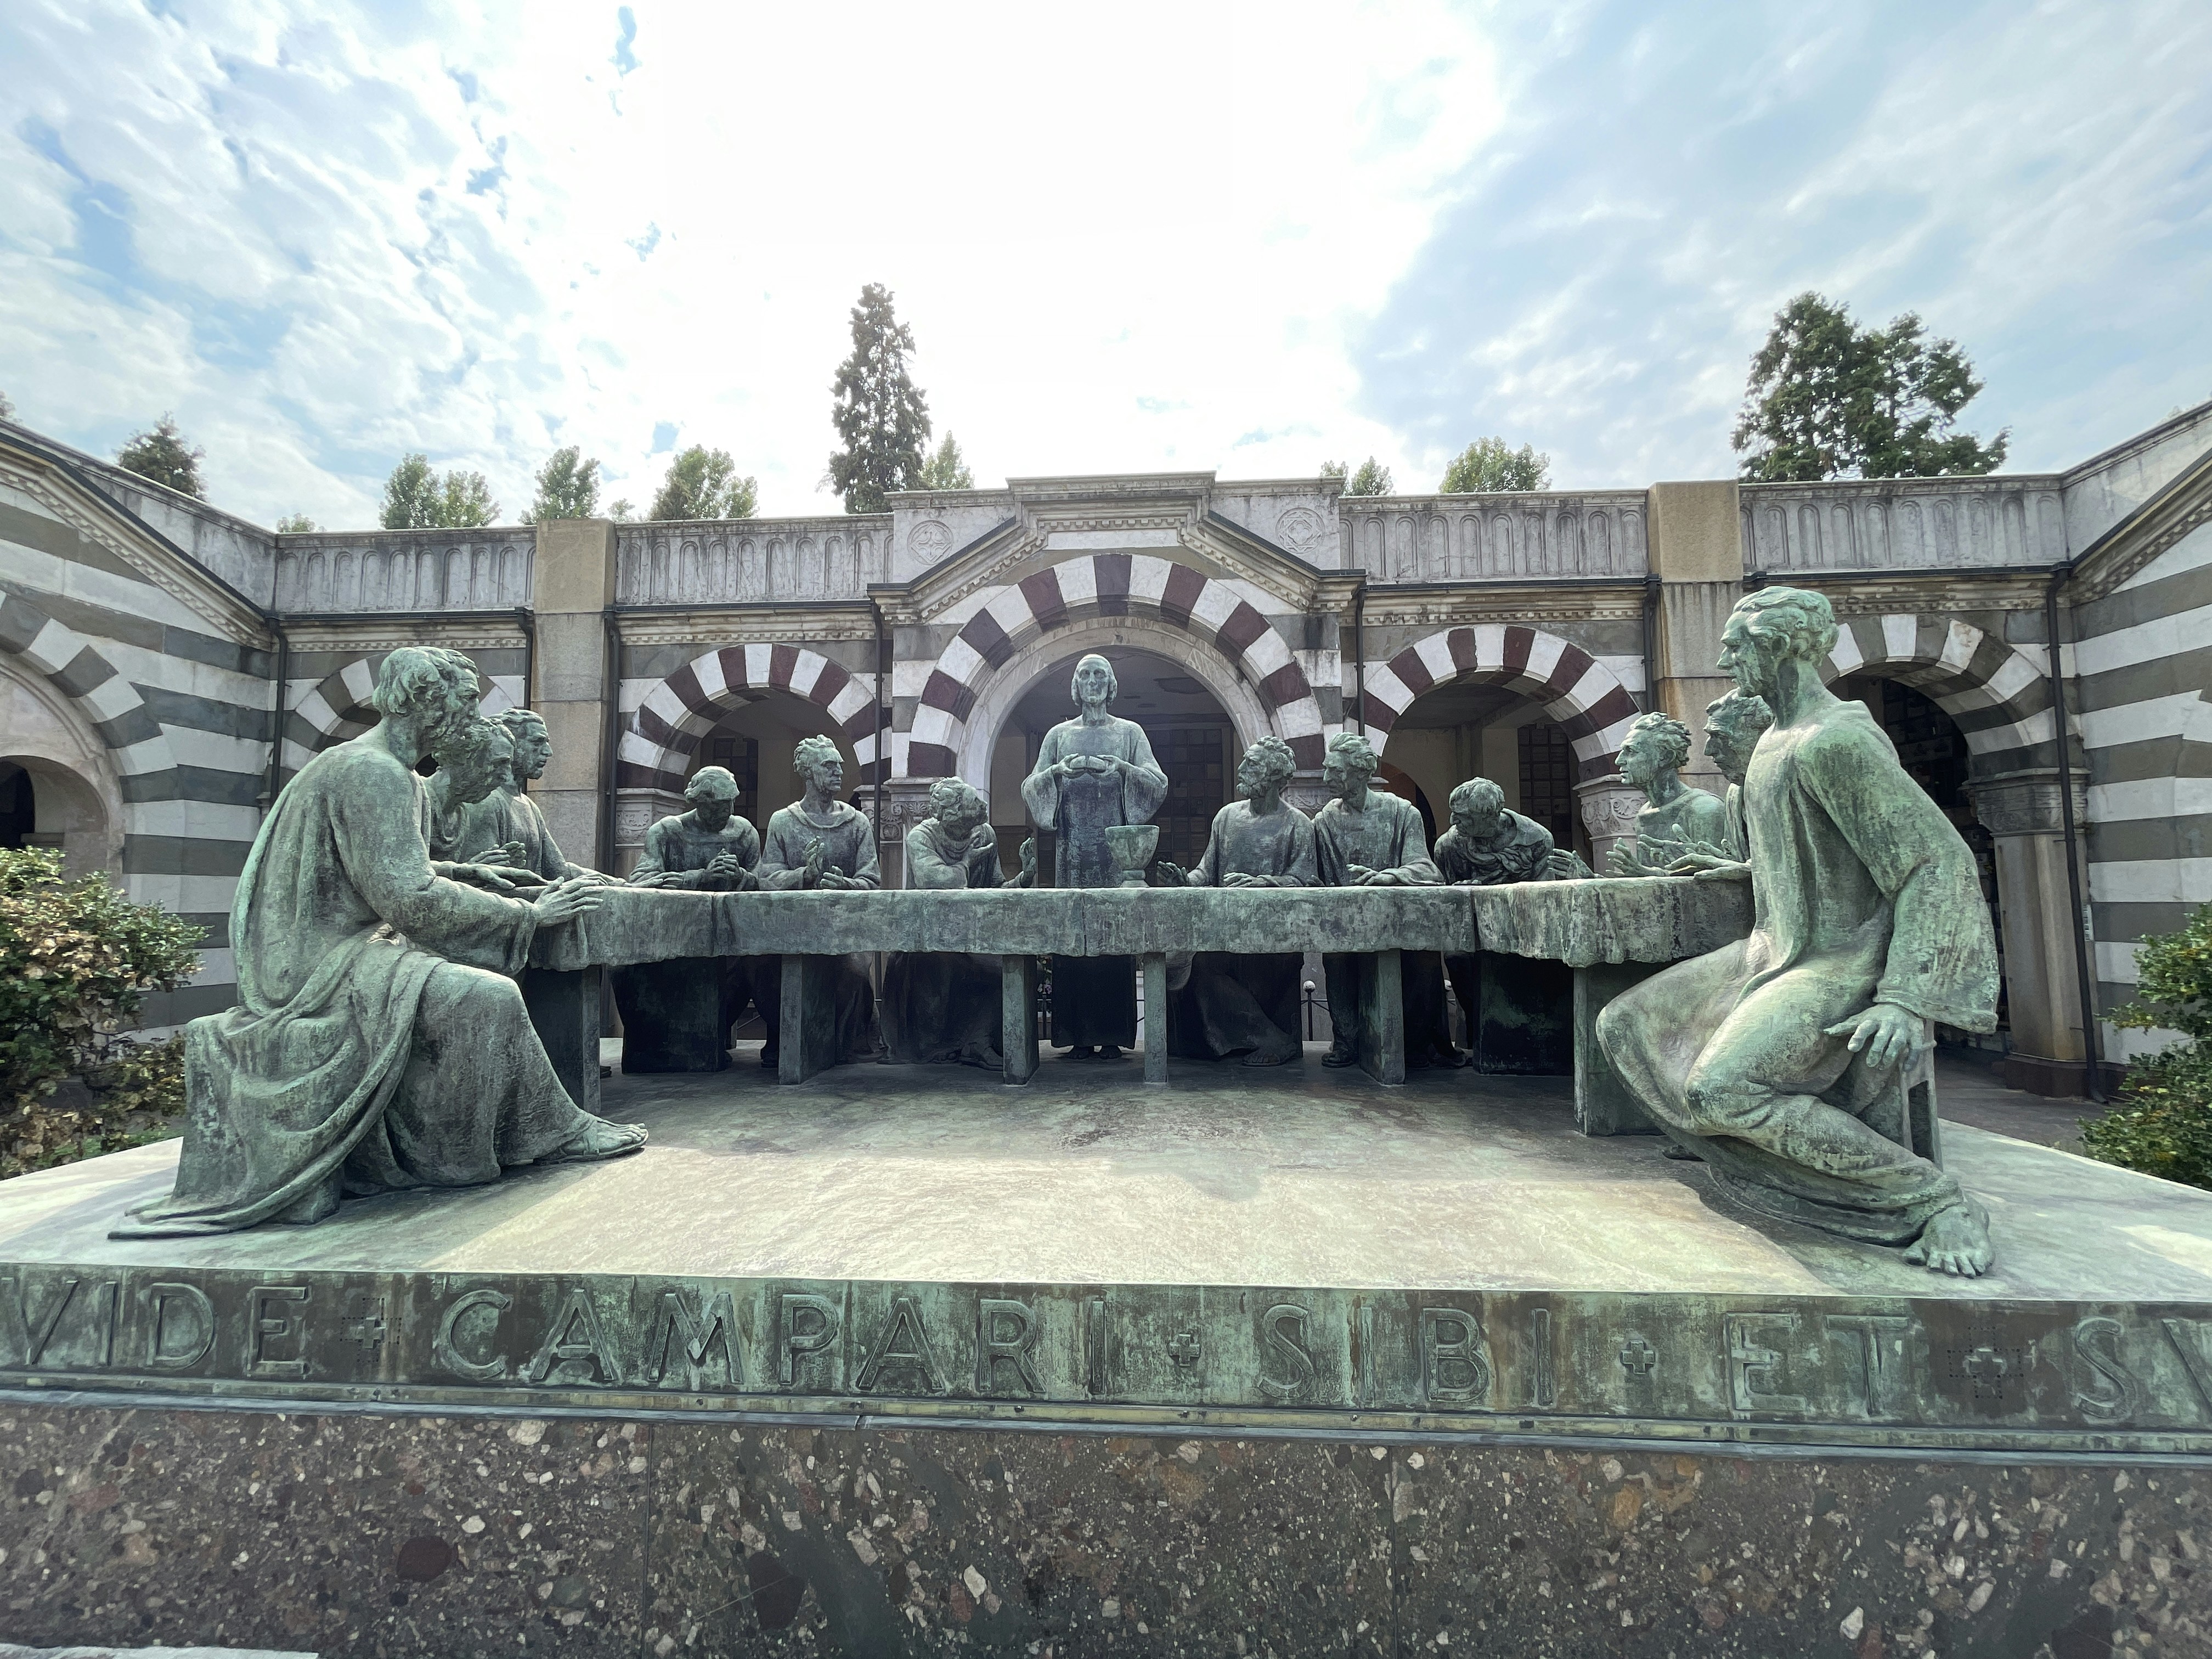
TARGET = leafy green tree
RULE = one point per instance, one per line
(946, 467)
(162, 455)
(417, 498)
(624, 511)
(1829, 399)
(1487, 465)
(879, 413)
(7, 408)
(296, 523)
(76, 958)
(1369, 477)
(703, 483)
(568, 486)
(465, 502)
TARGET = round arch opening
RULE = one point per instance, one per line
(1471, 729)
(1192, 732)
(755, 740)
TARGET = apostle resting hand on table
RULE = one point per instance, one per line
(379, 1041)
(821, 844)
(1233, 1002)
(677, 1014)
(946, 1005)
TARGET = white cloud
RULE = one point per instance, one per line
(1126, 240)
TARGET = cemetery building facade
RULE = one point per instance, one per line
(165, 666)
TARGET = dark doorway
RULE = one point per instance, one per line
(18, 807)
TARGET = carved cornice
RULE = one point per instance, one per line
(382, 636)
(2009, 590)
(711, 626)
(1537, 602)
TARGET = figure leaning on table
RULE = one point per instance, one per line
(948, 1005)
(820, 844)
(379, 1041)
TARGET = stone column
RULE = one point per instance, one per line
(2043, 996)
(572, 583)
(906, 803)
(1697, 553)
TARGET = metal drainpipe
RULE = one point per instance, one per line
(529, 622)
(2082, 962)
(1651, 640)
(613, 736)
(1359, 656)
(277, 735)
(881, 763)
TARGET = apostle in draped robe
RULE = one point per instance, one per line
(1733, 726)
(942, 1006)
(1781, 1060)
(1237, 1003)
(670, 1021)
(472, 757)
(513, 830)
(1674, 817)
(379, 1041)
(1092, 772)
(821, 844)
(1368, 837)
(1519, 1011)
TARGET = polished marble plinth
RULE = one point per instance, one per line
(1254, 1246)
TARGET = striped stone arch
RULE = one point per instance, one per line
(658, 740)
(1577, 692)
(1110, 585)
(134, 740)
(336, 708)
(1998, 692)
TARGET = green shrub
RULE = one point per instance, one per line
(2162, 1124)
(76, 958)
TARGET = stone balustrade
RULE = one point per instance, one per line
(362, 572)
(1903, 524)
(1439, 538)
(751, 561)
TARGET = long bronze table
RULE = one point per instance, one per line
(1632, 927)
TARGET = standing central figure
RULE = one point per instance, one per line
(1093, 773)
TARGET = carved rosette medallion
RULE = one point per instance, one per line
(1298, 529)
(930, 539)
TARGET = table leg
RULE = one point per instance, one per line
(564, 1007)
(1156, 1019)
(1604, 1103)
(1382, 1017)
(1017, 1008)
(808, 1026)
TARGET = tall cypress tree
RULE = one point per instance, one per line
(879, 413)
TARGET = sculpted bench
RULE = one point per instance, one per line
(1612, 932)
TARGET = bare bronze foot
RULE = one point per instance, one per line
(598, 1139)
(1279, 1052)
(1340, 1054)
(1955, 1240)
(1081, 1051)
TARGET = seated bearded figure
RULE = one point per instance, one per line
(946, 1005)
(1235, 1002)
(379, 1041)
(472, 757)
(1782, 1060)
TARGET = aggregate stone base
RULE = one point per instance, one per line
(409, 1536)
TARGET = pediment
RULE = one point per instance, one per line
(113, 539)
(2183, 506)
(1039, 522)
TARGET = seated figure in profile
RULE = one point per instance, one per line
(946, 1005)
(472, 757)
(1236, 1002)
(379, 1041)
(512, 830)
(1733, 726)
(820, 844)
(1674, 817)
(668, 1023)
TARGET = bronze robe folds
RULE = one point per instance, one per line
(945, 1004)
(848, 847)
(1235, 1002)
(379, 1041)
(677, 1014)
(1386, 836)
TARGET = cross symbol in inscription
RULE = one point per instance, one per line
(1637, 1356)
(1988, 1368)
(1182, 1347)
(367, 1327)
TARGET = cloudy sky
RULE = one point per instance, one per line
(1247, 238)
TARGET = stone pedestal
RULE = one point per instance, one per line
(566, 1008)
(2043, 996)
(572, 587)
(1608, 809)
(1604, 1103)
